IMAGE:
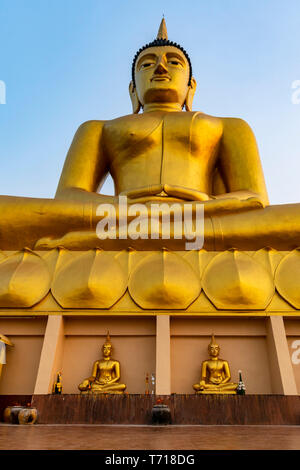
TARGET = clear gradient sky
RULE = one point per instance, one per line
(68, 61)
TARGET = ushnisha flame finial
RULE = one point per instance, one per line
(213, 341)
(107, 341)
(162, 32)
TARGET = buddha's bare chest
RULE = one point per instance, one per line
(157, 137)
(105, 367)
(215, 367)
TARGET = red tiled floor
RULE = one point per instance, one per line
(96, 437)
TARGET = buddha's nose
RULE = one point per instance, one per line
(160, 68)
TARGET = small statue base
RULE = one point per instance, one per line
(100, 392)
(214, 392)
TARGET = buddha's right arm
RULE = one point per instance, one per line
(85, 166)
(204, 371)
(94, 372)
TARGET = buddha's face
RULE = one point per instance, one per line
(162, 75)
(106, 350)
(213, 350)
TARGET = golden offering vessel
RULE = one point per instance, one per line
(215, 374)
(105, 375)
(167, 153)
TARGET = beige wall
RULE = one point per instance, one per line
(22, 360)
(242, 342)
(133, 341)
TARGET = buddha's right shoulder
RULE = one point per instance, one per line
(96, 125)
(89, 126)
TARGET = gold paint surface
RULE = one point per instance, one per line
(287, 278)
(94, 279)
(164, 280)
(233, 280)
(122, 282)
(25, 279)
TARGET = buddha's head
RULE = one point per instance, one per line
(107, 347)
(213, 347)
(162, 73)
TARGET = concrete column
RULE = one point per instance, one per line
(163, 355)
(282, 375)
(51, 355)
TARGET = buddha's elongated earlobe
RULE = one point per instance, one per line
(136, 105)
(190, 95)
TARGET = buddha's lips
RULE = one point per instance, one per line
(160, 78)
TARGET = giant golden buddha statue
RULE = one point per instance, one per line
(165, 153)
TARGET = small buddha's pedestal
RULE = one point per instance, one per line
(100, 392)
(215, 392)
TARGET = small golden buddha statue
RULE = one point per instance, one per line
(215, 374)
(165, 153)
(105, 375)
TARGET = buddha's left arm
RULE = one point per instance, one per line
(204, 371)
(240, 164)
(117, 372)
(226, 371)
(93, 377)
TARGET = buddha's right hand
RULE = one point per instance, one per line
(186, 193)
(151, 190)
(180, 192)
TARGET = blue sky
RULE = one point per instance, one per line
(68, 61)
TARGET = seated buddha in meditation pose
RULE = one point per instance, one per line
(106, 374)
(165, 153)
(215, 374)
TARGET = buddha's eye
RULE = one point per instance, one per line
(146, 65)
(174, 62)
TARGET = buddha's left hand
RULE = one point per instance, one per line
(179, 192)
(232, 205)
